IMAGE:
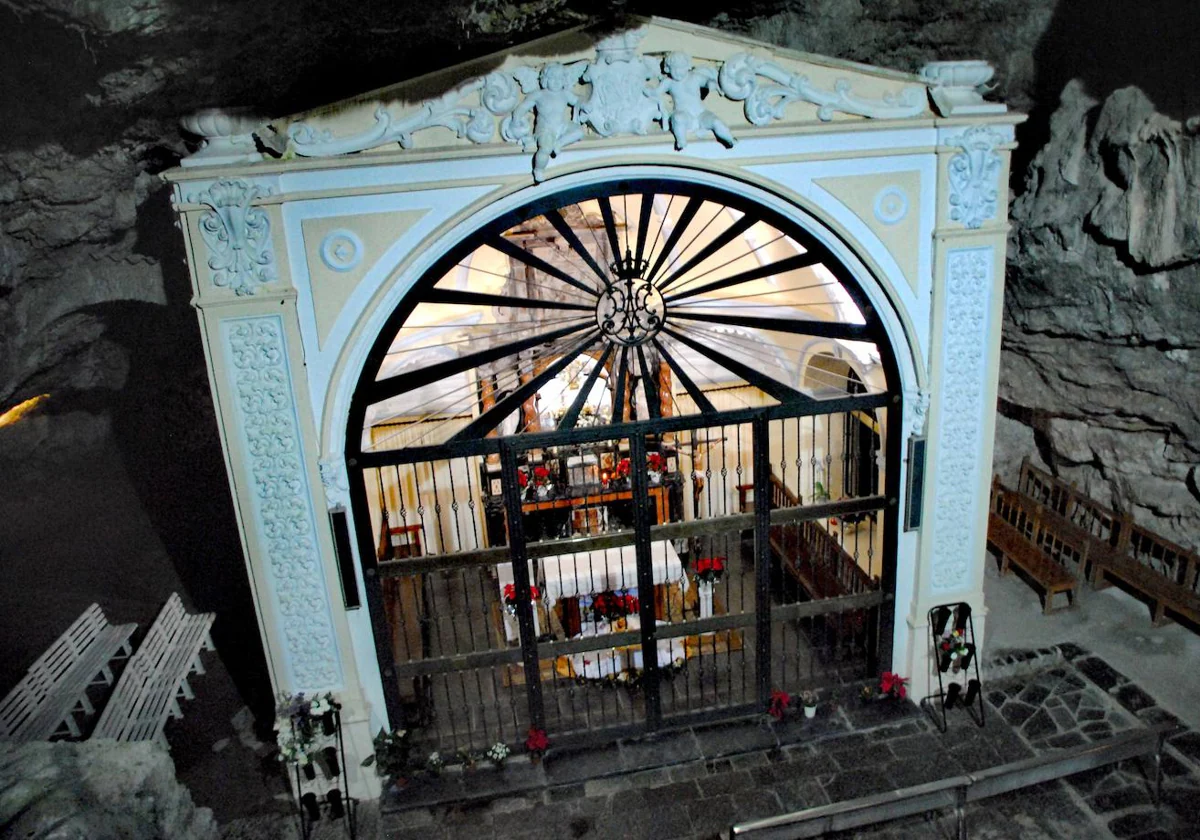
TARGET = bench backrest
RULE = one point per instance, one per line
(1172, 561)
(45, 673)
(140, 671)
(1066, 500)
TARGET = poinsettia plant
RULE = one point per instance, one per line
(541, 476)
(536, 743)
(522, 479)
(892, 685)
(710, 569)
(622, 470)
(609, 606)
(778, 704)
(655, 462)
(510, 597)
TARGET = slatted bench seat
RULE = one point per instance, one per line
(1014, 533)
(157, 676)
(46, 700)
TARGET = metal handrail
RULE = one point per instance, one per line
(956, 791)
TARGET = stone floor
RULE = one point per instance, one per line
(1056, 699)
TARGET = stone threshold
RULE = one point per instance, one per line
(841, 714)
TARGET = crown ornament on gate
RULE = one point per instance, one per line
(629, 267)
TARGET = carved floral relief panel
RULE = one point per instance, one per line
(959, 431)
(268, 432)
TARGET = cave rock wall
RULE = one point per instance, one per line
(1100, 375)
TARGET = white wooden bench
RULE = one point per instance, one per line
(45, 701)
(157, 676)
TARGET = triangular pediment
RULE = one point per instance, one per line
(651, 77)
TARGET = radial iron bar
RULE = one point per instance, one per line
(778, 390)
(492, 418)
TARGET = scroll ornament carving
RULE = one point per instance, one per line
(238, 236)
(974, 176)
(335, 481)
(271, 439)
(968, 288)
(918, 406)
(547, 108)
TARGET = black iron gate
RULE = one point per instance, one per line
(666, 553)
(633, 598)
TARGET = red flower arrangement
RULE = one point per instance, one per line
(536, 742)
(893, 685)
(510, 593)
(655, 462)
(611, 606)
(778, 704)
(622, 470)
(541, 476)
(710, 569)
(522, 479)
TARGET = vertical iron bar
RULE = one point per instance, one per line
(520, 567)
(761, 441)
(645, 578)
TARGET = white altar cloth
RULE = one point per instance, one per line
(601, 570)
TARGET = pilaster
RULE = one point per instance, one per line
(968, 291)
(248, 320)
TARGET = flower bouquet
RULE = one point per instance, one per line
(523, 482)
(296, 731)
(621, 472)
(542, 485)
(710, 569)
(655, 463)
(610, 606)
(953, 651)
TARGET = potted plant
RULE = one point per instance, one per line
(496, 753)
(536, 744)
(391, 757)
(523, 483)
(434, 763)
(654, 468)
(809, 699)
(510, 597)
(777, 706)
(543, 486)
(621, 473)
(892, 685)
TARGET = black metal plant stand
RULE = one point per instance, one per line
(322, 797)
(956, 685)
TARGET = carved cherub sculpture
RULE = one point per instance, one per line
(686, 86)
(551, 103)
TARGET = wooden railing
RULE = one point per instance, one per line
(808, 551)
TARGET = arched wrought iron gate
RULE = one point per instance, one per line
(665, 567)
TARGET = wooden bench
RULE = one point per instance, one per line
(1162, 593)
(54, 689)
(1160, 571)
(157, 676)
(1013, 531)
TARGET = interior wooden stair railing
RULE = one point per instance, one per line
(811, 554)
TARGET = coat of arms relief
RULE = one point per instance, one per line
(621, 91)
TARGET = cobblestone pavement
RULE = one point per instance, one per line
(736, 772)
